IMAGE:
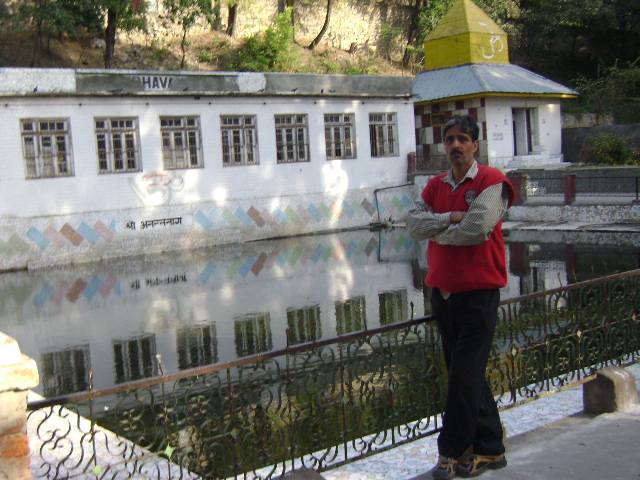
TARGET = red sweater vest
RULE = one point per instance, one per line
(471, 267)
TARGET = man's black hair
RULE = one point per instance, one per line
(466, 124)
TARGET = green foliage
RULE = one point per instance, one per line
(185, 13)
(614, 91)
(271, 51)
(127, 18)
(389, 40)
(613, 150)
(205, 56)
(564, 38)
(70, 17)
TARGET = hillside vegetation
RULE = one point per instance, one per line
(591, 45)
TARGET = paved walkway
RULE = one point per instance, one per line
(548, 438)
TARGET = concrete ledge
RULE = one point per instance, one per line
(612, 390)
(303, 475)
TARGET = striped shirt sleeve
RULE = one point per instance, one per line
(476, 227)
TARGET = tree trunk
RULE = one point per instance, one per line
(291, 4)
(324, 28)
(37, 37)
(183, 46)
(231, 26)
(217, 17)
(413, 28)
(37, 46)
(110, 37)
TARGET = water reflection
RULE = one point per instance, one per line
(201, 307)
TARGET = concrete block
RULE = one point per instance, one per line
(613, 389)
(303, 474)
(13, 407)
(18, 373)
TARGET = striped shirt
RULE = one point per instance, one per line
(483, 215)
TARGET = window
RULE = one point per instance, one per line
(118, 145)
(383, 134)
(304, 324)
(393, 306)
(239, 140)
(181, 142)
(46, 146)
(134, 358)
(66, 371)
(197, 346)
(351, 315)
(292, 138)
(338, 135)
(438, 119)
(253, 334)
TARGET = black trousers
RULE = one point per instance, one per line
(467, 322)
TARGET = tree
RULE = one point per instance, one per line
(272, 50)
(56, 17)
(186, 13)
(233, 14)
(325, 26)
(564, 39)
(615, 91)
(215, 18)
(120, 14)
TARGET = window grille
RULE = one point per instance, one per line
(292, 138)
(181, 142)
(383, 134)
(239, 140)
(118, 142)
(46, 146)
(338, 135)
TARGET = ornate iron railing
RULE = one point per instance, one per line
(323, 404)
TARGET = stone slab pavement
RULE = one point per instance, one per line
(548, 438)
(579, 447)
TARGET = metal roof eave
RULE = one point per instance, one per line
(485, 79)
(497, 95)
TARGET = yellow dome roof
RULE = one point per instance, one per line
(465, 35)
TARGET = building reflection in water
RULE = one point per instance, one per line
(201, 307)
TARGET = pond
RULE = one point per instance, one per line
(215, 305)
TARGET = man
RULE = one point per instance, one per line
(462, 218)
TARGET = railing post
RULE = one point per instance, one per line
(569, 188)
(411, 162)
(18, 373)
(519, 183)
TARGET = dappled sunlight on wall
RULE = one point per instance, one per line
(335, 178)
(336, 183)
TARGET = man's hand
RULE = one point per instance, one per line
(456, 217)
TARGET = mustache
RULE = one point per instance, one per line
(457, 150)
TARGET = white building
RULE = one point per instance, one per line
(99, 164)
(467, 71)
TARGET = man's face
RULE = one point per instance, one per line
(459, 147)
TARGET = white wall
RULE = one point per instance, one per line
(39, 217)
(89, 191)
(500, 128)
